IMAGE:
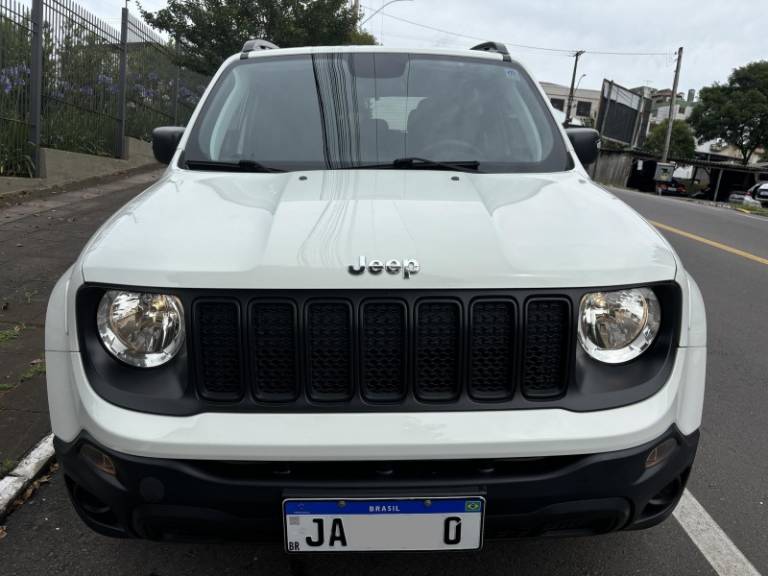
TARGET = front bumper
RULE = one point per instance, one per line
(345, 436)
(558, 495)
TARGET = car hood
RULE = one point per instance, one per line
(303, 230)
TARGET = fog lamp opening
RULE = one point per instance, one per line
(99, 459)
(660, 452)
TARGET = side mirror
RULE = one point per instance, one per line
(164, 142)
(586, 143)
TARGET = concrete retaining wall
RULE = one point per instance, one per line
(60, 168)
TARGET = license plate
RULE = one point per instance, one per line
(361, 525)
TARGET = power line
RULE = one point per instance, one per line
(564, 51)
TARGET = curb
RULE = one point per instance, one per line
(12, 486)
(70, 185)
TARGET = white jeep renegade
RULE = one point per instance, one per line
(375, 303)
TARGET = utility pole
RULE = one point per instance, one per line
(672, 106)
(356, 7)
(576, 56)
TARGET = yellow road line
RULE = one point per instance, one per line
(712, 243)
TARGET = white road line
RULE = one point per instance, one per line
(709, 538)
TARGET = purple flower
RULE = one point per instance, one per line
(153, 76)
(104, 79)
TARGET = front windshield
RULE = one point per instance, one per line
(350, 110)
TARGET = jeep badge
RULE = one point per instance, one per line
(409, 267)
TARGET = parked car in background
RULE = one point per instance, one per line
(672, 188)
(760, 193)
(747, 198)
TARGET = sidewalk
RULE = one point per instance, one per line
(39, 240)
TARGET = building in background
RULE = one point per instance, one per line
(585, 101)
(660, 100)
(645, 91)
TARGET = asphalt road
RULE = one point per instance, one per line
(730, 478)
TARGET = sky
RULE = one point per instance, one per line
(716, 35)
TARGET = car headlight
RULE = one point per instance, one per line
(616, 327)
(141, 329)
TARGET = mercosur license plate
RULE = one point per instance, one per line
(405, 524)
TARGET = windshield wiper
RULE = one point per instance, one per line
(416, 163)
(239, 166)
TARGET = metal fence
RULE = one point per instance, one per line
(15, 55)
(158, 92)
(69, 80)
(81, 59)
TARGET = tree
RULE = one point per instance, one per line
(737, 111)
(209, 31)
(682, 145)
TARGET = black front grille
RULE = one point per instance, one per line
(329, 350)
(274, 351)
(438, 351)
(217, 331)
(547, 334)
(492, 351)
(383, 349)
(363, 350)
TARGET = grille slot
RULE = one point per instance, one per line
(437, 351)
(382, 351)
(329, 351)
(274, 351)
(547, 338)
(492, 352)
(218, 349)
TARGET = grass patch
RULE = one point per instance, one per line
(32, 371)
(10, 334)
(36, 368)
(6, 466)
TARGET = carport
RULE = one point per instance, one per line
(724, 177)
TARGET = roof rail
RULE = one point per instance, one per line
(494, 47)
(256, 44)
